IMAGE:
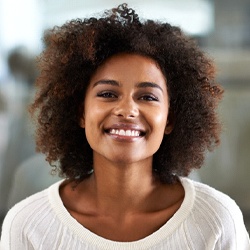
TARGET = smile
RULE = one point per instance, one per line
(128, 132)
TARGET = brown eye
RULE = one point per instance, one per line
(149, 98)
(107, 94)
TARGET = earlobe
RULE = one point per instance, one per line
(82, 122)
(82, 116)
(169, 128)
(170, 124)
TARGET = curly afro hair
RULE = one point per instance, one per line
(72, 54)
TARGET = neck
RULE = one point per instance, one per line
(122, 187)
(119, 191)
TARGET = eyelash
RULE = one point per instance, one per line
(106, 94)
(111, 95)
(150, 98)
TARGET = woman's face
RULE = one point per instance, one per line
(126, 109)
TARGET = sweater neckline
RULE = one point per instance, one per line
(99, 242)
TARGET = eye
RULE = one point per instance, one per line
(149, 98)
(106, 94)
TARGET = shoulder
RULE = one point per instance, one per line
(212, 202)
(217, 214)
(25, 209)
(27, 205)
(32, 212)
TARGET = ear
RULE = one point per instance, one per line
(82, 122)
(170, 123)
(82, 116)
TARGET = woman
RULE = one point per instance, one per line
(125, 110)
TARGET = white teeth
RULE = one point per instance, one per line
(128, 133)
(125, 132)
(122, 132)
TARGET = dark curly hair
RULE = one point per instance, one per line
(73, 53)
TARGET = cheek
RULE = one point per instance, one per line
(160, 120)
(91, 111)
(95, 115)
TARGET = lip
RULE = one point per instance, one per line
(137, 131)
(130, 126)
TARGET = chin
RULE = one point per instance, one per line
(127, 160)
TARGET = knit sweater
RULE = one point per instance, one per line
(207, 219)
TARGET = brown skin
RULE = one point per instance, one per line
(122, 200)
(115, 211)
(118, 97)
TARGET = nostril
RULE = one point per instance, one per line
(127, 115)
(126, 111)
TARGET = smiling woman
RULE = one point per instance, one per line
(127, 94)
(125, 109)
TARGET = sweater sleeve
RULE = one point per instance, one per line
(232, 233)
(9, 239)
(19, 217)
(219, 215)
(235, 235)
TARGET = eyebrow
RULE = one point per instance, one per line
(149, 84)
(109, 82)
(139, 85)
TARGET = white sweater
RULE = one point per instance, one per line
(207, 219)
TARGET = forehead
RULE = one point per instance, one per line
(131, 66)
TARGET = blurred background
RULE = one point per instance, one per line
(221, 29)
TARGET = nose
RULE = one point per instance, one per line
(126, 108)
